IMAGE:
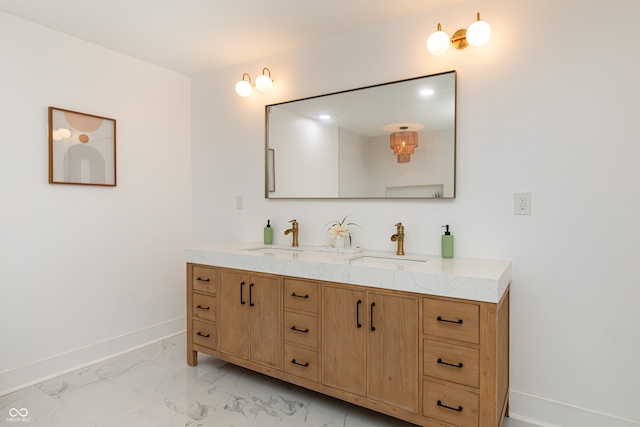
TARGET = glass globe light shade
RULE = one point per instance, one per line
(438, 43)
(64, 133)
(478, 33)
(243, 88)
(264, 83)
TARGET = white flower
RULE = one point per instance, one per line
(340, 229)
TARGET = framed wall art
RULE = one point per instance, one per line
(82, 148)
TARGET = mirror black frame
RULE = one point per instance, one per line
(269, 152)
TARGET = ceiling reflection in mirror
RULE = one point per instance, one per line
(394, 140)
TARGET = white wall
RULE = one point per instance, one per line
(549, 106)
(86, 272)
(305, 157)
(353, 154)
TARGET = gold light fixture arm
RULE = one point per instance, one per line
(459, 39)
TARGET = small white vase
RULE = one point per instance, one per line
(339, 243)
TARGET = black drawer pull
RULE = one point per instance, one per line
(203, 335)
(202, 308)
(299, 296)
(199, 279)
(299, 364)
(458, 409)
(440, 319)
(459, 365)
(293, 328)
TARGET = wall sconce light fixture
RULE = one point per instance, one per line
(243, 87)
(264, 84)
(478, 34)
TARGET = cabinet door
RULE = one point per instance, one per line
(233, 324)
(393, 349)
(344, 339)
(265, 297)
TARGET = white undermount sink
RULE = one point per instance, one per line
(274, 250)
(374, 259)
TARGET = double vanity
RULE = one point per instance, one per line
(420, 338)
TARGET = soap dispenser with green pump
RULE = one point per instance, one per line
(268, 233)
(447, 243)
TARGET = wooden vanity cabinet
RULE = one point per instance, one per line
(465, 361)
(301, 329)
(201, 311)
(370, 344)
(433, 361)
(250, 316)
(344, 339)
(392, 349)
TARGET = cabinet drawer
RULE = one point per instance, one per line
(204, 278)
(454, 320)
(301, 329)
(450, 404)
(204, 307)
(301, 362)
(204, 334)
(301, 295)
(452, 363)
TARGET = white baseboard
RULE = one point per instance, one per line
(42, 370)
(544, 412)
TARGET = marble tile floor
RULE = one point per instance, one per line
(153, 386)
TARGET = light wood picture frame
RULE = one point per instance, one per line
(82, 148)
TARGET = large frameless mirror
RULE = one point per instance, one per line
(394, 140)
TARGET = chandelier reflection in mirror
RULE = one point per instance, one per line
(404, 143)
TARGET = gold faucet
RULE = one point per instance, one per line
(399, 237)
(294, 230)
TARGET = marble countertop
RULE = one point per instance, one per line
(474, 279)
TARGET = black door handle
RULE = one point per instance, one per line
(251, 304)
(373, 328)
(358, 314)
(241, 299)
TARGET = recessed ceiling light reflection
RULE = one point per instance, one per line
(425, 92)
(325, 116)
